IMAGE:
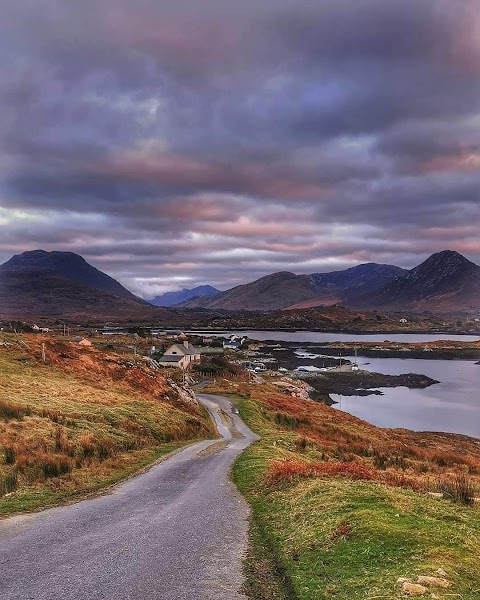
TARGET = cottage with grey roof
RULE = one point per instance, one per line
(180, 356)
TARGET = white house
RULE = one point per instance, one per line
(180, 356)
(403, 320)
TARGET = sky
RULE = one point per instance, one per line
(181, 143)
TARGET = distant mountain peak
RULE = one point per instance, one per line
(445, 282)
(447, 257)
(441, 265)
(174, 298)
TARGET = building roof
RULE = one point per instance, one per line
(191, 349)
(184, 349)
(173, 358)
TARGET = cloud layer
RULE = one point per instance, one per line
(174, 144)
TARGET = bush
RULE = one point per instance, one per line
(8, 484)
(55, 466)
(459, 490)
(10, 456)
(11, 410)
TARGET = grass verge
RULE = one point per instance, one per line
(324, 534)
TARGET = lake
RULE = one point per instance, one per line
(452, 405)
(320, 337)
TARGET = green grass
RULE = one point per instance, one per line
(343, 539)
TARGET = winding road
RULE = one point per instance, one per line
(178, 531)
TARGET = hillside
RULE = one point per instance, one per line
(445, 282)
(83, 420)
(343, 509)
(286, 290)
(173, 298)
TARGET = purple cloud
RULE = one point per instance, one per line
(188, 143)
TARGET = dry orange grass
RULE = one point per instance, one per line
(326, 442)
(82, 415)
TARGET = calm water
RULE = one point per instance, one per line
(452, 405)
(319, 337)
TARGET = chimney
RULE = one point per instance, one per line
(185, 343)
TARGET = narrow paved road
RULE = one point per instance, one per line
(177, 532)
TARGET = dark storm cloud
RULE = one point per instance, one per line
(178, 143)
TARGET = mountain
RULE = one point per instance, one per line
(344, 287)
(63, 284)
(173, 298)
(42, 294)
(69, 265)
(287, 290)
(445, 282)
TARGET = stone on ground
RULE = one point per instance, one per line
(434, 581)
(413, 589)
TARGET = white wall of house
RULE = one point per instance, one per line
(181, 364)
(179, 349)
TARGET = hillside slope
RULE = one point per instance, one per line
(82, 420)
(340, 507)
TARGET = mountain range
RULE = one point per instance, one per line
(286, 290)
(173, 298)
(63, 284)
(445, 282)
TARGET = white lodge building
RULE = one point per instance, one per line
(180, 356)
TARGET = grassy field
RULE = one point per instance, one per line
(81, 421)
(341, 509)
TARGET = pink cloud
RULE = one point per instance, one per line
(180, 170)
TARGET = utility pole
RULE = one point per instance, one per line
(43, 351)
